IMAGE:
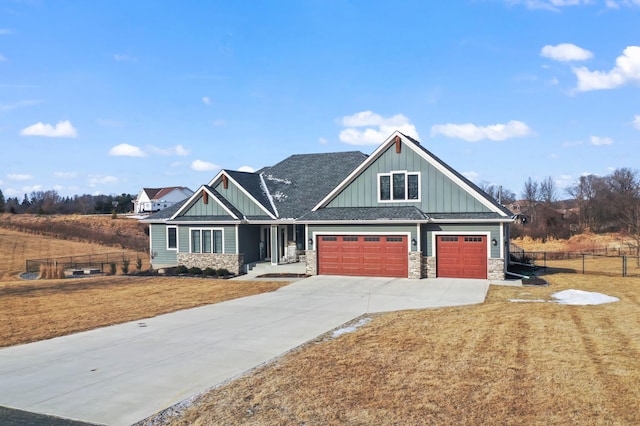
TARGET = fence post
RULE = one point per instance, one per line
(582, 263)
(624, 266)
(545, 259)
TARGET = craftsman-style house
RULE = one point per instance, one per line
(399, 212)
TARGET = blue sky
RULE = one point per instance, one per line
(112, 96)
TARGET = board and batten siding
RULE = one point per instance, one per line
(438, 192)
(461, 229)
(408, 229)
(228, 236)
(239, 200)
(212, 208)
(161, 256)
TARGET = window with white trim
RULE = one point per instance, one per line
(205, 241)
(399, 186)
(172, 238)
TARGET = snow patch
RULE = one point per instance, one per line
(574, 297)
(279, 196)
(351, 328)
(279, 180)
(579, 297)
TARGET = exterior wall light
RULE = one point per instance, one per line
(494, 242)
(414, 242)
(310, 241)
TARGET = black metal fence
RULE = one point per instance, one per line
(602, 261)
(92, 263)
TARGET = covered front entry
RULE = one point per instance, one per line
(363, 255)
(462, 256)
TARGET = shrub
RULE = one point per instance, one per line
(194, 270)
(181, 269)
(209, 272)
(112, 268)
(125, 266)
(51, 272)
(222, 272)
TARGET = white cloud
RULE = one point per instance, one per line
(95, 180)
(566, 52)
(18, 176)
(31, 188)
(615, 4)
(64, 129)
(247, 169)
(472, 176)
(627, 70)
(19, 104)
(553, 5)
(597, 140)
(172, 150)
(127, 58)
(65, 175)
(11, 192)
(636, 122)
(126, 150)
(203, 166)
(323, 141)
(472, 133)
(376, 128)
(206, 100)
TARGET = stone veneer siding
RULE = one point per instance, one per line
(234, 263)
(312, 264)
(415, 265)
(495, 269)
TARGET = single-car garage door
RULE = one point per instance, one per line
(462, 256)
(363, 255)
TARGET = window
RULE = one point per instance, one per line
(399, 186)
(206, 241)
(172, 238)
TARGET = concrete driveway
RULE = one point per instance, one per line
(122, 374)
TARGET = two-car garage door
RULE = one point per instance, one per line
(363, 255)
(457, 256)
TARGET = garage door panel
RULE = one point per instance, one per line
(363, 255)
(461, 256)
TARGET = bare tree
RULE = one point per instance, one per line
(530, 193)
(548, 191)
(500, 194)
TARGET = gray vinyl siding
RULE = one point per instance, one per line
(438, 192)
(212, 208)
(228, 236)
(161, 256)
(370, 229)
(461, 229)
(240, 200)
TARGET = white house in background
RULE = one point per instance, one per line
(154, 199)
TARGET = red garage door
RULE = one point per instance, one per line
(462, 256)
(370, 255)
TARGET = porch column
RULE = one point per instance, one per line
(275, 253)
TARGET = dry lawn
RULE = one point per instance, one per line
(42, 309)
(497, 363)
(16, 247)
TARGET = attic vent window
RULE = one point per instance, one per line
(398, 145)
(225, 182)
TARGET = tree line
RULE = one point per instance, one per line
(594, 203)
(50, 202)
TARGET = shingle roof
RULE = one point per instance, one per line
(165, 214)
(364, 213)
(299, 182)
(251, 182)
